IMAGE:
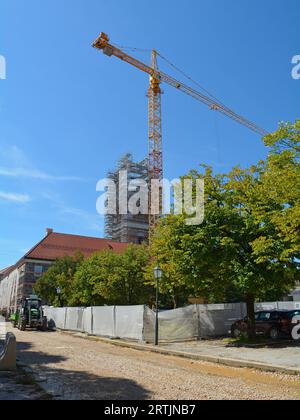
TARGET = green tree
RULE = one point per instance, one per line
(278, 197)
(248, 245)
(286, 138)
(59, 275)
(113, 279)
(174, 289)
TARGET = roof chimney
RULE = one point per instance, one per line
(49, 231)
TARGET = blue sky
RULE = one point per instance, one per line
(67, 112)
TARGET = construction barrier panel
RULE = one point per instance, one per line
(193, 322)
(129, 322)
(87, 321)
(175, 325)
(103, 321)
(278, 306)
(56, 317)
(138, 322)
(290, 306)
(216, 320)
(74, 319)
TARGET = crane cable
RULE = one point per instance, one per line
(218, 138)
(220, 106)
(121, 47)
(190, 78)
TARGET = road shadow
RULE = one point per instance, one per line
(79, 385)
(25, 355)
(76, 385)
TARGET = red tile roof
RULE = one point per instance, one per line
(57, 245)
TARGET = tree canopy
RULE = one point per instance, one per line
(113, 279)
(105, 278)
(248, 246)
(59, 276)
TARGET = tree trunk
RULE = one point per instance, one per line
(174, 303)
(174, 298)
(251, 316)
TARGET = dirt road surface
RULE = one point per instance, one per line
(74, 368)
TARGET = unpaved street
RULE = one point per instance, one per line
(75, 368)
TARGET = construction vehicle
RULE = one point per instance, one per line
(30, 315)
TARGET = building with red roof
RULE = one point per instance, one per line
(16, 282)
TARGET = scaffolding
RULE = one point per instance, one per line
(128, 227)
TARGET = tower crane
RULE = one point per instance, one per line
(155, 152)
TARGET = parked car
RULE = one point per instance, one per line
(273, 324)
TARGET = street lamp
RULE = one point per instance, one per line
(58, 292)
(157, 275)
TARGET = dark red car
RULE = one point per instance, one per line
(272, 324)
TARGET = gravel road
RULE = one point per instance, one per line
(75, 368)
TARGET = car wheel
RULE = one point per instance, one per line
(274, 334)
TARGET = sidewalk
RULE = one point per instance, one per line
(285, 357)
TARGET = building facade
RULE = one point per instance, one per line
(16, 282)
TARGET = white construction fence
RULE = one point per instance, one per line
(137, 322)
(278, 306)
(105, 321)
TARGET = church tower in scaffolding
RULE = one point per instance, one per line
(128, 228)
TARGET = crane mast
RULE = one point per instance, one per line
(155, 153)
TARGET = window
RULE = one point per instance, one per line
(265, 316)
(293, 313)
(38, 269)
(30, 267)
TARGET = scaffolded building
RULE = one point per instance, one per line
(128, 227)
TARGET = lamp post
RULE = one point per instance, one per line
(157, 275)
(58, 291)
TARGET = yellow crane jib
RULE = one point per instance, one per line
(102, 43)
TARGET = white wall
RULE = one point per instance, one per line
(8, 290)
